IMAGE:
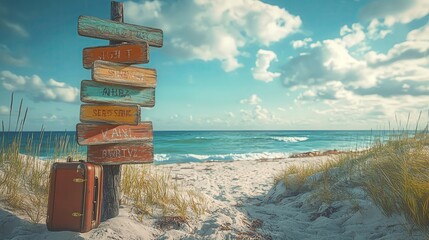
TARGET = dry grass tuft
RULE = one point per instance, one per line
(394, 174)
(24, 183)
(24, 180)
(295, 176)
(153, 193)
(397, 178)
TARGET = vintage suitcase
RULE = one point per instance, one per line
(75, 195)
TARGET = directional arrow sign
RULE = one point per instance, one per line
(112, 114)
(121, 153)
(94, 92)
(120, 53)
(122, 74)
(106, 29)
(96, 134)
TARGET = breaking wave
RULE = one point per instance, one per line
(290, 139)
(180, 158)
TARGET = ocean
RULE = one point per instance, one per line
(201, 146)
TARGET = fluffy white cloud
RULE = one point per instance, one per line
(408, 50)
(347, 105)
(316, 44)
(252, 100)
(420, 34)
(352, 36)
(37, 89)
(301, 43)
(395, 11)
(377, 30)
(331, 61)
(263, 61)
(371, 85)
(405, 61)
(254, 112)
(257, 113)
(330, 91)
(214, 30)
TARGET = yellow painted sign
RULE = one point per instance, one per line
(112, 114)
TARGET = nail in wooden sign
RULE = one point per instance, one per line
(96, 134)
(121, 153)
(110, 30)
(94, 92)
(112, 114)
(122, 74)
(120, 53)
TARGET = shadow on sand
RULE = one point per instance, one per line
(14, 227)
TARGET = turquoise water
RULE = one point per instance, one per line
(200, 146)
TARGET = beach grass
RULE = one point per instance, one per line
(393, 173)
(154, 193)
(24, 181)
(397, 177)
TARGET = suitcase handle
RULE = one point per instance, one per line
(70, 159)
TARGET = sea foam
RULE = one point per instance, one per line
(180, 158)
(290, 139)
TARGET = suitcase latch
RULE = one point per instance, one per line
(76, 214)
(79, 180)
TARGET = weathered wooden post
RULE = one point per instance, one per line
(112, 173)
(111, 124)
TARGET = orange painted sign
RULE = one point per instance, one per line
(120, 53)
(112, 114)
(114, 154)
(122, 74)
(96, 134)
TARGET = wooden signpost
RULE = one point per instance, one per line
(111, 125)
(111, 30)
(112, 114)
(91, 91)
(121, 153)
(121, 53)
(96, 134)
(115, 73)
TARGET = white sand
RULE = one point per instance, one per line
(243, 204)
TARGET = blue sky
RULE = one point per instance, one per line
(244, 64)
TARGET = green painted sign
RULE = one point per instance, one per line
(107, 29)
(95, 92)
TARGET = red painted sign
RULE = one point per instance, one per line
(96, 134)
(121, 153)
(120, 53)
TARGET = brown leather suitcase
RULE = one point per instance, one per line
(75, 195)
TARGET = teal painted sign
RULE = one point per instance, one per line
(95, 92)
(106, 29)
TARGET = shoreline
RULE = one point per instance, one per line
(315, 153)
